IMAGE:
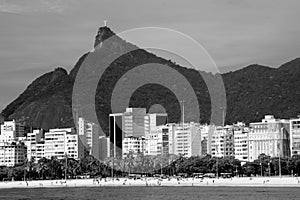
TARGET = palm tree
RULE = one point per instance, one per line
(148, 163)
(130, 161)
(73, 167)
(105, 169)
(121, 165)
(55, 168)
(43, 168)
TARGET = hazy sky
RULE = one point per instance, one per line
(38, 35)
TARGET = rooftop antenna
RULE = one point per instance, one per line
(105, 22)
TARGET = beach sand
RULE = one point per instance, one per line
(234, 182)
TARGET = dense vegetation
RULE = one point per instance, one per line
(251, 92)
(168, 165)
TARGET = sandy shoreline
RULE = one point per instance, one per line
(234, 182)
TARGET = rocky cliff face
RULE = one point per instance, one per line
(102, 34)
(251, 92)
(45, 103)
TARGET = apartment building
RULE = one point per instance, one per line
(222, 142)
(134, 122)
(241, 142)
(270, 136)
(35, 145)
(89, 135)
(133, 145)
(187, 139)
(62, 142)
(295, 136)
(12, 153)
(11, 131)
(160, 140)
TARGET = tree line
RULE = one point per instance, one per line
(170, 165)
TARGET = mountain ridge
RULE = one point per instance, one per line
(251, 91)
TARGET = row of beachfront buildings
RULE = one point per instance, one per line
(136, 132)
(18, 143)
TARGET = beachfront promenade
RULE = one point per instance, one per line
(234, 182)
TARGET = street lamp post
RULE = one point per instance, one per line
(66, 165)
(279, 166)
(269, 168)
(112, 168)
(161, 165)
(217, 168)
(281, 133)
(261, 168)
(217, 152)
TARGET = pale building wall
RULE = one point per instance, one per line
(271, 137)
(12, 153)
(295, 136)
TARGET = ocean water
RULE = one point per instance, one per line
(149, 193)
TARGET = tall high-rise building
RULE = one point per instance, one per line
(207, 132)
(104, 147)
(160, 140)
(241, 142)
(12, 151)
(295, 136)
(187, 139)
(222, 143)
(35, 145)
(11, 131)
(89, 135)
(270, 136)
(134, 122)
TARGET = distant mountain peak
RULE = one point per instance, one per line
(291, 65)
(251, 92)
(103, 33)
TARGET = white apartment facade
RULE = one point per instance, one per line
(133, 145)
(241, 142)
(35, 145)
(270, 136)
(11, 131)
(187, 139)
(222, 142)
(12, 153)
(295, 136)
(160, 140)
(62, 142)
